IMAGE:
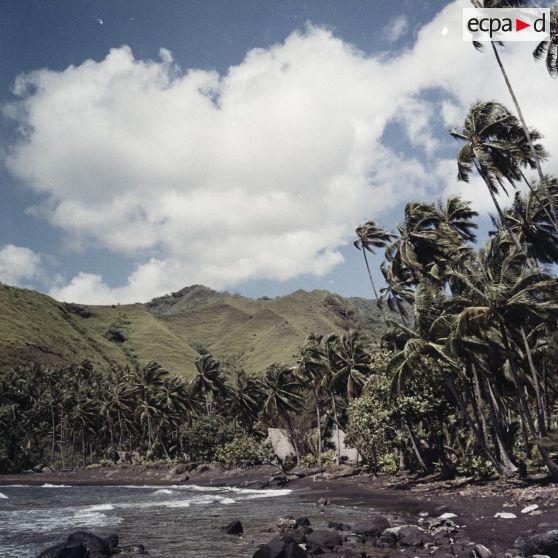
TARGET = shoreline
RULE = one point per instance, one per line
(474, 504)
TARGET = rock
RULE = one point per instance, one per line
(530, 508)
(134, 549)
(278, 545)
(286, 523)
(505, 515)
(388, 539)
(355, 538)
(93, 543)
(262, 552)
(411, 535)
(180, 469)
(338, 526)
(293, 550)
(545, 543)
(302, 522)
(448, 515)
(65, 551)
(323, 539)
(323, 502)
(372, 528)
(234, 528)
(481, 551)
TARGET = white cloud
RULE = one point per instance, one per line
(18, 265)
(259, 173)
(396, 28)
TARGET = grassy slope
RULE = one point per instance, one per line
(171, 328)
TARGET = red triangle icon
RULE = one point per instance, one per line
(519, 25)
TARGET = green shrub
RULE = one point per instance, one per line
(388, 463)
(328, 458)
(206, 436)
(241, 452)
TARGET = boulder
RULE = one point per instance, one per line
(234, 528)
(293, 550)
(133, 549)
(411, 535)
(93, 543)
(545, 543)
(262, 552)
(65, 551)
(481, 551)
(302, 522)
(323, 539)
(372, 528)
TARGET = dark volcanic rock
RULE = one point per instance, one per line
(302, 522)
(323, 539)
(234, 528)
(411, 535)
(293, 550)
(545, 543)
(372, 528)
(65, 551)
(93, 543)
(338, 526)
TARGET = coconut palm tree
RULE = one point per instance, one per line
(370, 236)
(350, 362)
(495, 146)
(244, 399)
(507, 298)
(526, 132)
(549, 49)
(282, 397)
(312, 369)
(208, 382)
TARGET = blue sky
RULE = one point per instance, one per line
(145, 170)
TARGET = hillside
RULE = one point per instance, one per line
(174, 328)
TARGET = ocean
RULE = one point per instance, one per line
(171, 521)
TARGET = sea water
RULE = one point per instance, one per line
(177, 521)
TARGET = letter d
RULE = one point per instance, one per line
(540, 24)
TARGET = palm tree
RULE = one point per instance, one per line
(312, 369)
(350, 362)
(506, 298)
(370, 236)
(549, 49)
(495, 146)
(209, 381)
(282, 397)
(526, 132)
(244, 399)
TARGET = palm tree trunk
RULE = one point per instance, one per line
(319, 427)
(509, 466)
(542, 178)
(524, 405)
(536, 386)
(416, 449)
(478, 435)
(338, 445)
(378, 300)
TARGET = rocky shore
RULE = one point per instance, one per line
(402, 515)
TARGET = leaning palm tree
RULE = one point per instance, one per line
(244, 399)
(552, 46)
(370, 236)
(496, 148)
(549, 49)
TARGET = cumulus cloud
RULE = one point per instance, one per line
(260, 173)
(18, 265)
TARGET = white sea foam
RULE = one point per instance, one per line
(48, 485)
(100, 507)
(163, 491)
(3, 496)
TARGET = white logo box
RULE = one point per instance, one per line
(506, 24)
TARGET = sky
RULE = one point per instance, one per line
(147, 145)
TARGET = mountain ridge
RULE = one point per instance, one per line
(175, 328)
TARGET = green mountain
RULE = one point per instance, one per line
(173, 329)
